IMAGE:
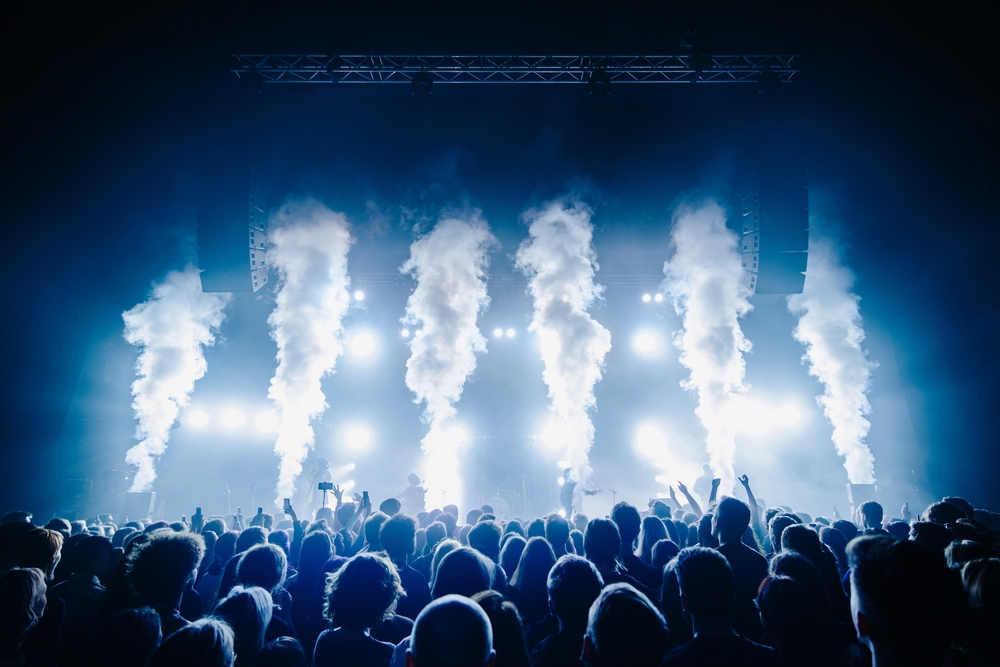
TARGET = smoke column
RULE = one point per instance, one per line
(172, 327)
(449, 265)
(559, 260)
(308, 247)
(703, 278)
(831, 330)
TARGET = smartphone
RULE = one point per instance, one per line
(239, 511)
(364, 497)
(288, 506)
(260, 510)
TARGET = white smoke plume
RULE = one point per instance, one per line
(703, 278)
(308, 247)
(449, 265)
(830, 327)
(172, 327)
(559, 260)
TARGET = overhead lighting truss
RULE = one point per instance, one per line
(624, 69)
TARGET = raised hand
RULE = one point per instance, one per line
(744, 480)
(682, 487)
(338, 494)
(905, 511)
(716, 482)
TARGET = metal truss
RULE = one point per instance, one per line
(318, 68)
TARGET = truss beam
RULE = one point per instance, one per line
(629, 69)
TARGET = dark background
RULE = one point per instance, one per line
(107, 110)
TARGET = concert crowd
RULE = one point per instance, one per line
(723, 581)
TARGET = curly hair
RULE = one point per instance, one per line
(363, 592)
(159, 569)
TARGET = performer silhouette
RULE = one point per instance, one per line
(567, 494)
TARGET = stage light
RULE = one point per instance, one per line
(510, 333)
(233, 418)
(650, 441)
(560, 481)
(198, 418)
(658, 298)
(646, 342)
(498, 333)
(646, 298)
(348, 485)
(359, 296)
(363, 344)
(358, 438)
(405, 333)
(266, 422)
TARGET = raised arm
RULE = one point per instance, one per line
(754, 510)
(715, 492)
(695, 507)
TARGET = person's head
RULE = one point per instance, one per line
(777, 526)
(943, 513)
(663, 552)
(451, 509)
(345, 512)
(981, 581)
(216, 525)
(317, 548)
(557, 532)
(120, 535)
(160, 568)
(443, 548)
(533, 567)
(363, 592)
(282, 652)
(510, 554)
(484, 537)
(207, 642)
(450, 522)
(796, 566)
(962, 504)
(933, 536)
(898, 529)
(248, 612)
(602, 543)
(535, 528)
(624, 628)
(514, 526)
(660, 509)
(436, 532)
(576, 537)
(373, 524)
(398, 536)
(626, 517)
(61, 526)
(789, 613)
(580, 521)
(705, 581)
(463, 571)
(870, 514)
(451, 631)
(804, 540)
(573, 585)
(508, 631)
(650, 532)
(17, 516)
(730, 519)
(904, 600)
(960, 552)
(390, 507)
(262, 565)
(126, 639)
(250, 537)
(22, 602)
(92, 556)
(472, 516)
(463, 534)
(413, 479)
(39, 548)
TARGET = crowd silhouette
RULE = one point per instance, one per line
(667, 583)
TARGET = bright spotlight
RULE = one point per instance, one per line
(348, 485)
(646, 298)
(645, 342)
(350, 466)
(510, 333)
(266, 422)
(358, 438)
(359, 296)
(498, 333)
(233, 418)
(658, 298)
(405, 333)
(560, 481)
(363, 344)
(650, 441)
(198, 418)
